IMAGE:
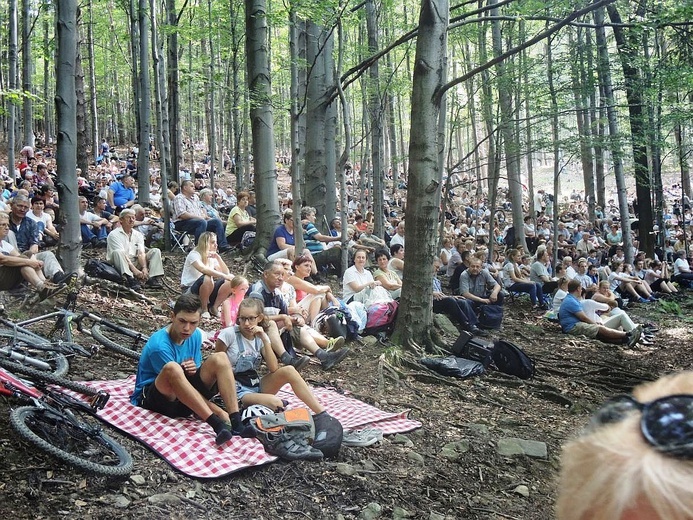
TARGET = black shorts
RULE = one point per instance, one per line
(155, 401)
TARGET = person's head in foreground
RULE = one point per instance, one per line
(635, 462)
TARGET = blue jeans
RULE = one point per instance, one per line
(197, 226)
(536, 294)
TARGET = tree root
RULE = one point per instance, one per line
(118, 289)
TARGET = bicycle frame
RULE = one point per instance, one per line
(15, 387)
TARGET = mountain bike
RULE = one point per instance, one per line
(62, 425)
(60, 338)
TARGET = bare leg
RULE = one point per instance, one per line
(172, 383)
(217, 369)
(271, 383)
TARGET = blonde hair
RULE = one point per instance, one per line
(612, 471)
(203, 244)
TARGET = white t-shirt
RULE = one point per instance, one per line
(679, 264)
(590, 308)
(352, 275)
(6, 247)
(190, 272)
(558, 299)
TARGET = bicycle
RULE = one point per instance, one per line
(114, 337)
(62, 425)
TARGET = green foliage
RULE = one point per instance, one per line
(670, 307)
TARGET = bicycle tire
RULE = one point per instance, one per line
(97, 333)
(47, 377)
(25, 345)
(85, 447)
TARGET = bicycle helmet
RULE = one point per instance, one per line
(254, 410)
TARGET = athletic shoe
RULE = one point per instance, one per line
(333, 358)
(205, 315)
(49, 290)
(335, 343)
(154, 283)
(653, 298)
(634, 336)
(298, 362)
(61, 277)
(288, 446)
(362, 438)
(643, 300)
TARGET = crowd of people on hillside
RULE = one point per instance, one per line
(588, 291)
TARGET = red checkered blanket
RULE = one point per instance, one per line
(188, 445)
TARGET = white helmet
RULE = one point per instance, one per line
(254, 410)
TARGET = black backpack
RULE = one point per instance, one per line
(328, 435)
(100, 269)
(511, 359)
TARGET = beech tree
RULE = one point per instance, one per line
(423, 195)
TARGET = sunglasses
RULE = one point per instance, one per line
(666, 423)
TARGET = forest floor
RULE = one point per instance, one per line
(408, 476)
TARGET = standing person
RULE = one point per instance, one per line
(206, 275)
(239, 220)
(173, 380)
(126, 252)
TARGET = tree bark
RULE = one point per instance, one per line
(82, 133)
(145, 103)
(11, 122)
(423, 194)
(262, 122)
(173, 105)
(66, 153)
(92, 85)
(375, 110)
(617, 154)
(27, 74)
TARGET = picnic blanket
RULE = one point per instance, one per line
(188, 444)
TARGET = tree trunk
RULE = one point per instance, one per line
(13, 86)
(66, 153)
(330, 133)
(92, 85)
(416, 314)
(262, 123)
(316, 100)
(504, 82)
(375, 110)
(212, 137)
(173, 105)
(236, 93)
(27, 74)
(132, 136)
(616, 152)
(143, 130)
(82, 133)
(639, 135)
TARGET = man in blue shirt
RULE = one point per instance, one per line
(575, 322)
(121, 194)
(173, 380)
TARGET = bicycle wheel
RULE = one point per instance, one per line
(47, 377)
(26, 350)
(78, 443)
(123, 341)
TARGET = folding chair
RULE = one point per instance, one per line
(181, 240)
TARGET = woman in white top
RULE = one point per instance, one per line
(357, 279)
(206, 275)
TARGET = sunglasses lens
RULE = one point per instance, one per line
(614, 410)
(668, 424)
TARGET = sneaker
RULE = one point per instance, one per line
(206, 315)
(61, 277)
(362, 438)
(333, 358)
(214, 312)
(335, 343)
(476, 331)
(154, 283)
(643, 300)
(298, 362)
(49, 290)
(634, 336)
(289, 446)
(653, 298)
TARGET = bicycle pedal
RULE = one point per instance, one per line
(98, 401)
